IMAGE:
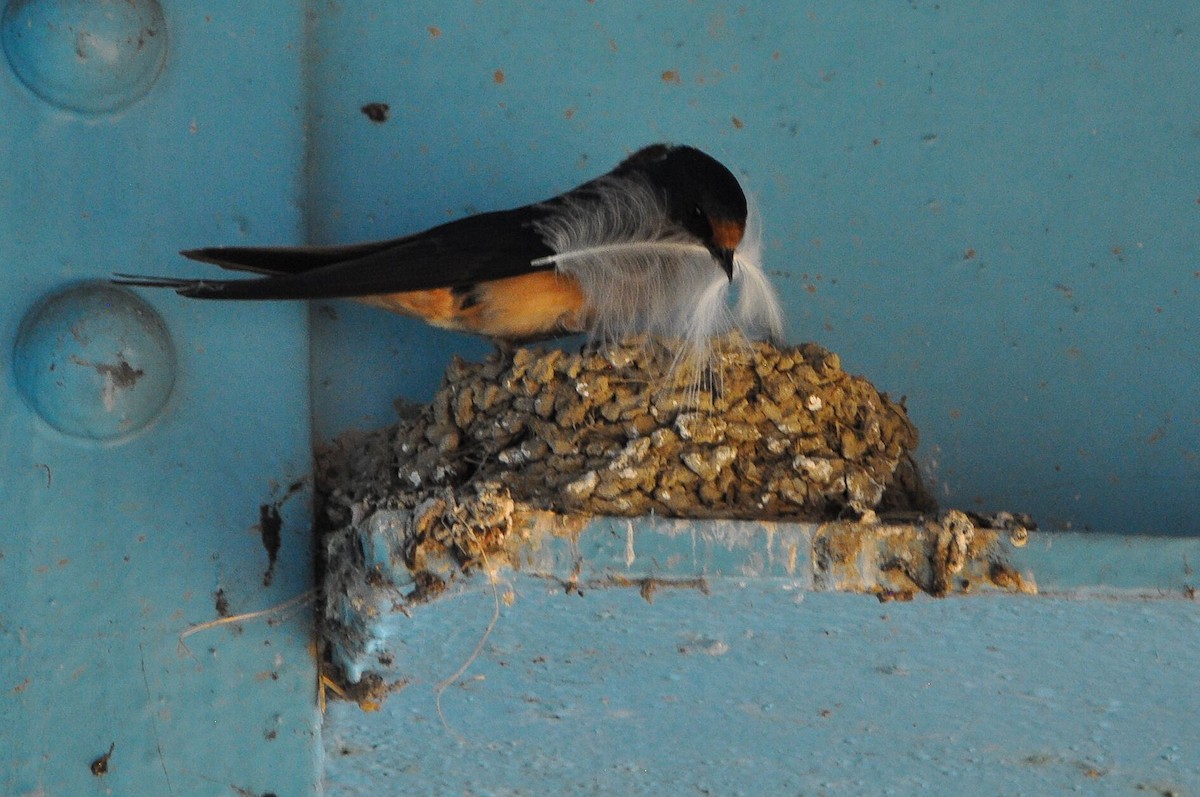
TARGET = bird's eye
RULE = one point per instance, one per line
(697, 212)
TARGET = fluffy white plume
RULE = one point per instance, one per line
(758, 310)
(640, 274)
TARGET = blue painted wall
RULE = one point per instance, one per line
(117, 535)
(988, 207)
(991, 208)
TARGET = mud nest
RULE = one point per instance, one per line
(764, 433)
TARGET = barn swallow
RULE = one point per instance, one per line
(650, 247)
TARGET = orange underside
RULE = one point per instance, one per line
(539, 305)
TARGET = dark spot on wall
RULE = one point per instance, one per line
(122, 374)
(376, 111)
(270, 525)
(99, 767)
(221, 602)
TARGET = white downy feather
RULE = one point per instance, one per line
(758, 310)
(640, 274)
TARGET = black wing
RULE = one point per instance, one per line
(475, 249)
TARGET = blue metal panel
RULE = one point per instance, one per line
(758, 688)
(126, 520)
(989, 207)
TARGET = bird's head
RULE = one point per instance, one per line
(702, 196)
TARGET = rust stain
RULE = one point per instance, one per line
(498, 76)
(672, 76)
(738, 123)
(434, 31)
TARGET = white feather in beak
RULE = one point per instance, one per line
(640, 273)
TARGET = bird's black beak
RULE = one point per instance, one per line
(726, 235)
(724, 258)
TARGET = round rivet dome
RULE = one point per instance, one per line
(93, 56)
